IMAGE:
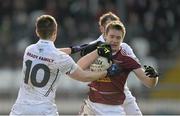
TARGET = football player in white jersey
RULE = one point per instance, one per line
(43, 65)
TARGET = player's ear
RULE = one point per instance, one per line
(105, 36)
(54, 35)
(102, 29)
(37, 33)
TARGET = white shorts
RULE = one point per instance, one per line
(90, 108)
(130, 106)
(34, 109)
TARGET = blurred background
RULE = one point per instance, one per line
(153, 31)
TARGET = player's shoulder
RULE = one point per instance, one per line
(126, 49)
(30, 47)
(60, 53)
(62, 56)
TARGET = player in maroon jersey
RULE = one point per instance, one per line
(106, 96)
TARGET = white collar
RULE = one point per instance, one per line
(46, 42)
(101, 38)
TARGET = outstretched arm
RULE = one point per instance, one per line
(148, 76)
(84, 48)
(86, 76)
(85, 61)
(66, 50)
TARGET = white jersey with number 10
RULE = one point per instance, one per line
(43, 65)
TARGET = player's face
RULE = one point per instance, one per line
(114, 38)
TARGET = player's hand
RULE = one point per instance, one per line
(90, 47)
(105, 50)
(150, 72)
(113, 70)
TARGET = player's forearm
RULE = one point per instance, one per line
(112, 71)
(147, 81)
(92, 76)
(86, 76)
(66, 50)
(87, 60)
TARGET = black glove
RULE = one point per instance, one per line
(90, 47)
(113, 70)
(105, 50)
(150, 72)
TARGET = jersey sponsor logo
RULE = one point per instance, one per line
(46, 59)
(104, 79)
(32, 55)
(39, 57)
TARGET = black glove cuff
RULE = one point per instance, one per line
(154, 76)
(75, 49)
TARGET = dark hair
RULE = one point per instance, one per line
(107, 16)
(118, 25)
(46, 26)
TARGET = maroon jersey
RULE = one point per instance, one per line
(111, 90)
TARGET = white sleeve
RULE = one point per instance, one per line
(72, 66)
(67, 65)
(128, 51)
(99, 39)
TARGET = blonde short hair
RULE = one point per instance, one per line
(107, 16)
(118, 25)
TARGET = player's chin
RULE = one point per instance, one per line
(115, 48)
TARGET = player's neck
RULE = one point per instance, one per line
(47, 40)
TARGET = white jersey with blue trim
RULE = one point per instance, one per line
(43, 65)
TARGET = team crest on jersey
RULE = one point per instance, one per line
(40, 50)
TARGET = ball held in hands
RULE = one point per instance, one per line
(100, 64)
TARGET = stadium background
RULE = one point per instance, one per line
(152, 31)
